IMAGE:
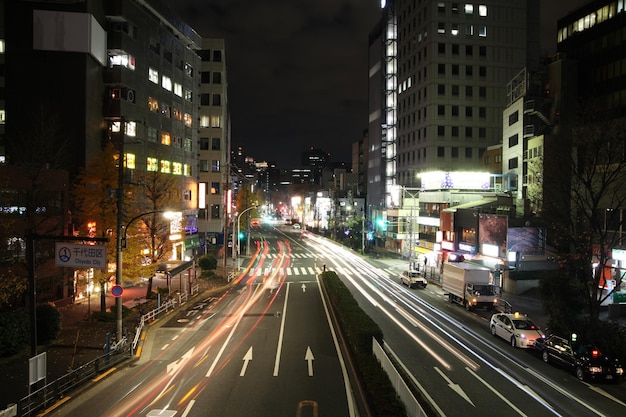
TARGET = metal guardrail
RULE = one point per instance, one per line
(49, 394)
(59, 388)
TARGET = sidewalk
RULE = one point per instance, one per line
(527, 303)
(79, 342)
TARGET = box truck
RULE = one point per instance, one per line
(470, 285)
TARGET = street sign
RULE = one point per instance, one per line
(80, 256)
(117, 290)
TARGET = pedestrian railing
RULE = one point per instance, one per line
(118, 352)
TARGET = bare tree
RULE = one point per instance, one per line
(40, 149)
(594, 179)
(155, 192)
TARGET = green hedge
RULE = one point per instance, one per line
(15, 325)
(359, 329)
(15, 334)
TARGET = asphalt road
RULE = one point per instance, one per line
(265, 349)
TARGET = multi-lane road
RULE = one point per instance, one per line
(266, 348)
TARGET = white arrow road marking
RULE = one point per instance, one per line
(455, 387)
(303, 287)
(174, 366)
(246, 359)
(492, 389)
(309, 358)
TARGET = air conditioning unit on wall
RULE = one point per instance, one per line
(130, 95)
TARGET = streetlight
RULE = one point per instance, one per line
(239, 230)
(121, 244)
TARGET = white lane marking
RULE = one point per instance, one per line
(281, 333)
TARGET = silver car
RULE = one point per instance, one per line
(515, 328)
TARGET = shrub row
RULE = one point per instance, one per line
(359, 329)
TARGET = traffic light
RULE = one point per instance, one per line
(242, 235)
(381, 223)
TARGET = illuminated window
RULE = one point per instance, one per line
(1, 46)
(152, 164)
(216, 121)
(469, 30)
(178, 115)
(122, 60)
(153, 104)
(166, 111)
(482, 31)
(215, 166)
(205, 121)
(131, 129)
(187, 170)
(177, 168)
(188, 119)
(153, 75)
(166, 82)
(441, 27)
(165, 167)
(188, 95)
(116, 127)
(187, 145)
(215, 188)
(166, 139)
(178, 89)
(2, 117)
(188, 69)
(455, 29)
(130, 161)
(469, 8)
(482, 10)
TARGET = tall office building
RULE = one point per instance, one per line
(214, 143)
(442, 75)
(86, 73)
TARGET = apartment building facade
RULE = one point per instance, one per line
(213, 144)
(83, 74)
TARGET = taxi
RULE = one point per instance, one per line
(516, 329)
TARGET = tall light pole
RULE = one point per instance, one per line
(238, 229)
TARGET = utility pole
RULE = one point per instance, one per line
(120, 227)
(226, 210)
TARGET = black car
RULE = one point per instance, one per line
(586, 360)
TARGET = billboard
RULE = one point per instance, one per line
(492, 231)
(527, 240)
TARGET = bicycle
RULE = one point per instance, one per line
(117, 345)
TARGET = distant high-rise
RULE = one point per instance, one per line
(315, 157)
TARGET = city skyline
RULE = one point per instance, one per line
(298, 71)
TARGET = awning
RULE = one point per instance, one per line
(174, 267)
(422, 250)
(472, 204)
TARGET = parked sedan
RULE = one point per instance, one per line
(586, 360)
(515, 328)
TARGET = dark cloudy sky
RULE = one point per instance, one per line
(297, 69)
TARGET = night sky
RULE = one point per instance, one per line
(297, 69)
